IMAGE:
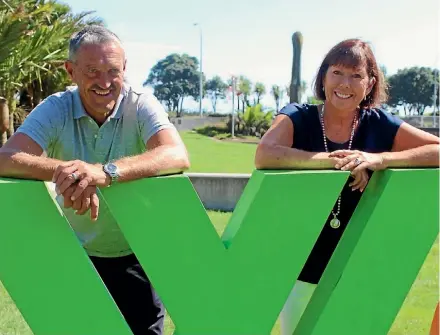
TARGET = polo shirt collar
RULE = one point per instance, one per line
(79, 111)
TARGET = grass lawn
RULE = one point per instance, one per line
(211, 155)
(414, 317)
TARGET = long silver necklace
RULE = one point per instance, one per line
(335, 223)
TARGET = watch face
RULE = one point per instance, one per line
(112, 168)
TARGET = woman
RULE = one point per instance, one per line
(347, 132)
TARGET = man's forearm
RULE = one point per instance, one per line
(425, 156)
(159, 161)
(281, 157)
(25, 166)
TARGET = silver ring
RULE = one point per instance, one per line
(357, 161)
(75, 176)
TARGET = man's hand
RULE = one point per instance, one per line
(87, 200)
(68, 173)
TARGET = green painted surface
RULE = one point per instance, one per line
(207, 288)
(379, 256)
(46, 271)
(232, 285)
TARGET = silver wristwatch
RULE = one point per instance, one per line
(112, 171)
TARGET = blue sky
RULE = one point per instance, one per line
(253, 38)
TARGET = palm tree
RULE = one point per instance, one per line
(259, 91)
(299, 91)
(254, 121)
(34, 37)
(277, 93)
(244, 90)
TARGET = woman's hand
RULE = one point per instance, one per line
(355, 161)
(358, 162)
(360, 181)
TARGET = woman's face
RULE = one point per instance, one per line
(346, 87)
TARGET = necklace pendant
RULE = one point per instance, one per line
(335, 223)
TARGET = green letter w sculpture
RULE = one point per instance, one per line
(236, 285)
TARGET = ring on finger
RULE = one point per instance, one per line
(75, 176)
(357, 161)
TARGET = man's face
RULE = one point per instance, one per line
(99, 73)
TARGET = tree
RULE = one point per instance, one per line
(412, 88)
(244, 91)
(301, 90)
(259, 91)
(174, 78)
(313, 101)
(34, 36)
(254, 121)
(215, 88)
(277, 93)
(295, 79)
(436, 93)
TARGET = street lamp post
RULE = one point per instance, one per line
(201, 73)
(233, 106)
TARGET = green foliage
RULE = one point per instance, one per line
(413, 88)
(277, 93)
(174, 78)
(215, 89)
(254, 121)
(259, 91)
(313, 100)
(213, 130)
(244, 91)
(34, 40)
(34, 37)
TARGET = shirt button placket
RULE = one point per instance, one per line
(99, 146)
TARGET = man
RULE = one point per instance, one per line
(92, 136)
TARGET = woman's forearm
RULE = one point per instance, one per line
(272, 156)
(424, 156)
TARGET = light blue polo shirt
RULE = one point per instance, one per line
(61, 126)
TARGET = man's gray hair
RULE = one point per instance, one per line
(93, 34)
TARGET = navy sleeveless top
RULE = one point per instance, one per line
(375, 134)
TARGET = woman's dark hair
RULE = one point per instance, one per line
(354, 53)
